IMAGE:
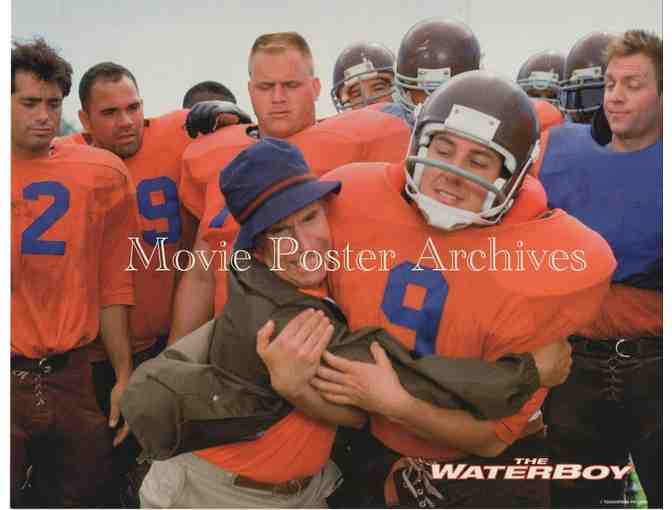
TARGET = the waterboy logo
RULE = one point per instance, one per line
(528, 469)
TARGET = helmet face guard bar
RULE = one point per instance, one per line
(364, 100)
(460, 173)
(358, 74)
(583, 92)
(428, 81)
(581, 97)
(540, 80)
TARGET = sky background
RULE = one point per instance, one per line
(171, 45)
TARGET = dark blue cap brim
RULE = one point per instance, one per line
(281, 205)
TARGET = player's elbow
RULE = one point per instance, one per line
(491, 448)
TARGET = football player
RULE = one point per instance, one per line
(462, 189)
(582, 85)
(363, 75)
(72, 210)
(540, 76)
(617, 371)
(113, 118)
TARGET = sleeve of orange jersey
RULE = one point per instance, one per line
(192, 195)
(121, 222)
(627, 312)
(529, 323)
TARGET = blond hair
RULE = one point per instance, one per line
(634, 42)
(278, 42)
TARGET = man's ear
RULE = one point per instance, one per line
(84, 119)
(317, 88)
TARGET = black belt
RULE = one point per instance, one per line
(622, 347)
(42, 365)
(290, 488)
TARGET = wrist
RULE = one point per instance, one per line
(123, 373)
(401, 408)
(289, 391)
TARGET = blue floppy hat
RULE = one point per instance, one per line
(266, 183)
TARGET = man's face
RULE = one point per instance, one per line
(283, 92)
(449, 189)
(114, 117)
(310, 228)
(631, 101)
(542, 93)
(365, 92)
(36, 115)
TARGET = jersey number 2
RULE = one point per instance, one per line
(425, 320)
(31, 244)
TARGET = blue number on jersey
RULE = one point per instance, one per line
(169, 209)
(425, 321)
(31, 244)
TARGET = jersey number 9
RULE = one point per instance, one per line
(425, 320)
(169, 209)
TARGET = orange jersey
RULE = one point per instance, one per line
(345, 138)
(71, 214)
(155, 170)
(548, 116)
(417, 284)
(295, 447)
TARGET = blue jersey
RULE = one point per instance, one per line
(617, 194)
(397, 110)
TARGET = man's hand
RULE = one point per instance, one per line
(293, 357)
(207, 116)
(115, 413)
(372, 387)
(554, 362)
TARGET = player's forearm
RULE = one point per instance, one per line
(188, 237)
(310, 403)
(116, 339)
(453, 428)
(193, 304)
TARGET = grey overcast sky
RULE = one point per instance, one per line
(170, 45)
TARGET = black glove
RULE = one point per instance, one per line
(203, 115)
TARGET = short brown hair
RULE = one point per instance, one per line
(105, 71)
(634, 42)
(43, 61)
(277, 42)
